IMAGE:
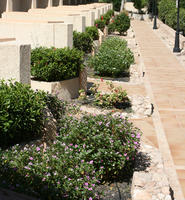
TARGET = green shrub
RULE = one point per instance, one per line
(82, 41)
(110, 142)
(110, 13)
(139, 4)
(171, 18)
(21, 113)
(113, 58)
(51, 64)
(100, 24)
(111, 28)
(164, 9)
(93, 32)
(122, 23)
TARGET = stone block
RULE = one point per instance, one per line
(67, 89)
(15, 61)
(39, 33)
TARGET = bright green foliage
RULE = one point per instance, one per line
(113, 58)
(99, 23)
(122, 23)
(21, 113)
(139, 4)
(82, 41)
(51, 64)
(110, 142)
(166, 7)
(93, 32)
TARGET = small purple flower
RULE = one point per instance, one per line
(132, 135)
(30, 158)
(90, 189)
(135, 143)
(90, 198)
(125, 154)
(86, 184)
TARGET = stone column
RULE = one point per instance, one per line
(34, 4)
(9, 5)
(50, 3)
(61, 3)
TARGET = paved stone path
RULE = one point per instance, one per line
(165, 83)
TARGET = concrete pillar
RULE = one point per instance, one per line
(61, 3)
(9, 5)
(50, 3)
(34, 4)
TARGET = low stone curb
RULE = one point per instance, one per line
(150, 181)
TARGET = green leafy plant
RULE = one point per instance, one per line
(139, 4)
(82, 95)
(21, 113)
(110, 142)
(51, 64)
(54, 172)
(93, 32)
(111, 28)
(113, 58)
(99, 23)
(122, 23)
(82, 41)
(117, 98)
(164, 9)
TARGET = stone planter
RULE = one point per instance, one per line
(67, 89)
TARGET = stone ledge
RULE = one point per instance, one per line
(151, 182)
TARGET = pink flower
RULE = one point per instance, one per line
(125, 154)
(101, 79)
(90, 189)
(86, 184)
(38, 149)
(90, 198)
(31, 158)
(91, 162)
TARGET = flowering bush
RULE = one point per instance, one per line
(109, 142)
(113, 58)
(86, 152)
(100, 24)
(117, 98)
(57, 172)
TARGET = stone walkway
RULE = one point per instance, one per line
(165, 84)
